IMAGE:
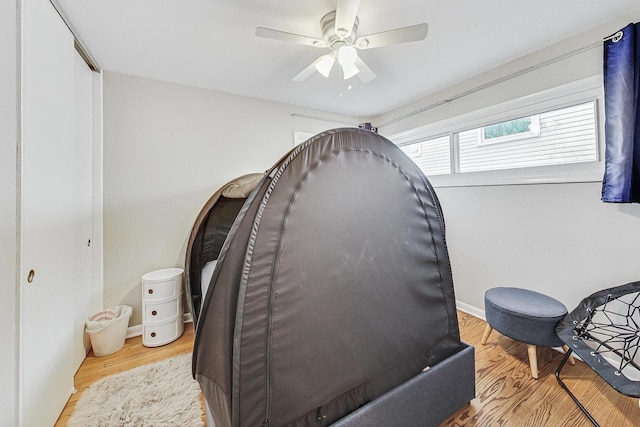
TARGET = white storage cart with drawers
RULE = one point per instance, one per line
(162, 308)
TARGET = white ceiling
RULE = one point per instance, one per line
(211, 43)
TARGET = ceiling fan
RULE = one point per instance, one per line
(340, 36)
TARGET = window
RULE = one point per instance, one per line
(567, 135)
(547, 137)
(433, 156)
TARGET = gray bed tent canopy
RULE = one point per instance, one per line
(209, 233)
(332, 299)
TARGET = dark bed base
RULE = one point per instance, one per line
(425, 400)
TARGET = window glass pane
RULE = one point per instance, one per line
(433, 156)
(512, 127)
(567, 135)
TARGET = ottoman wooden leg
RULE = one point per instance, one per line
(533, 360)
(485, 336)
(572, 361)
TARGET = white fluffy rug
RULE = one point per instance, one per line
(161, 394)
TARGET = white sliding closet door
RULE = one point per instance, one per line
(54, 213)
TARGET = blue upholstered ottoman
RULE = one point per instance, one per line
(526, 316)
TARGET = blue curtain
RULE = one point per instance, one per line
(621, 183)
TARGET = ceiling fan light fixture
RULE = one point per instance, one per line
(347, 56)
(325, 64)
(349, 71)
(340, 36)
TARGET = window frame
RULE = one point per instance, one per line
(581, 91)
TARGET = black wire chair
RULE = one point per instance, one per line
(604, 330)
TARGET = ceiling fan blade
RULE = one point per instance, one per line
(268, 33)
(365, 75)
(412, 33)
(346, 13)
(307, 72)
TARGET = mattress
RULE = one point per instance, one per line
(207, 272)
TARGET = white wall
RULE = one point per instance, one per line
(8, 242)
(167, 148)
(558, 239)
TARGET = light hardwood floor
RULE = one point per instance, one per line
(506, 393)
(508, 396)
(132, 355)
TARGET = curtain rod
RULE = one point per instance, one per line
(615, 38)
(324, 119)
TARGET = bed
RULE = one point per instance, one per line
(331, 299)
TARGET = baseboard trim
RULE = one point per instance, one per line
(136, 330)
(469, 309)
(187, 318)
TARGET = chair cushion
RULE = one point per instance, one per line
(523, 315)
